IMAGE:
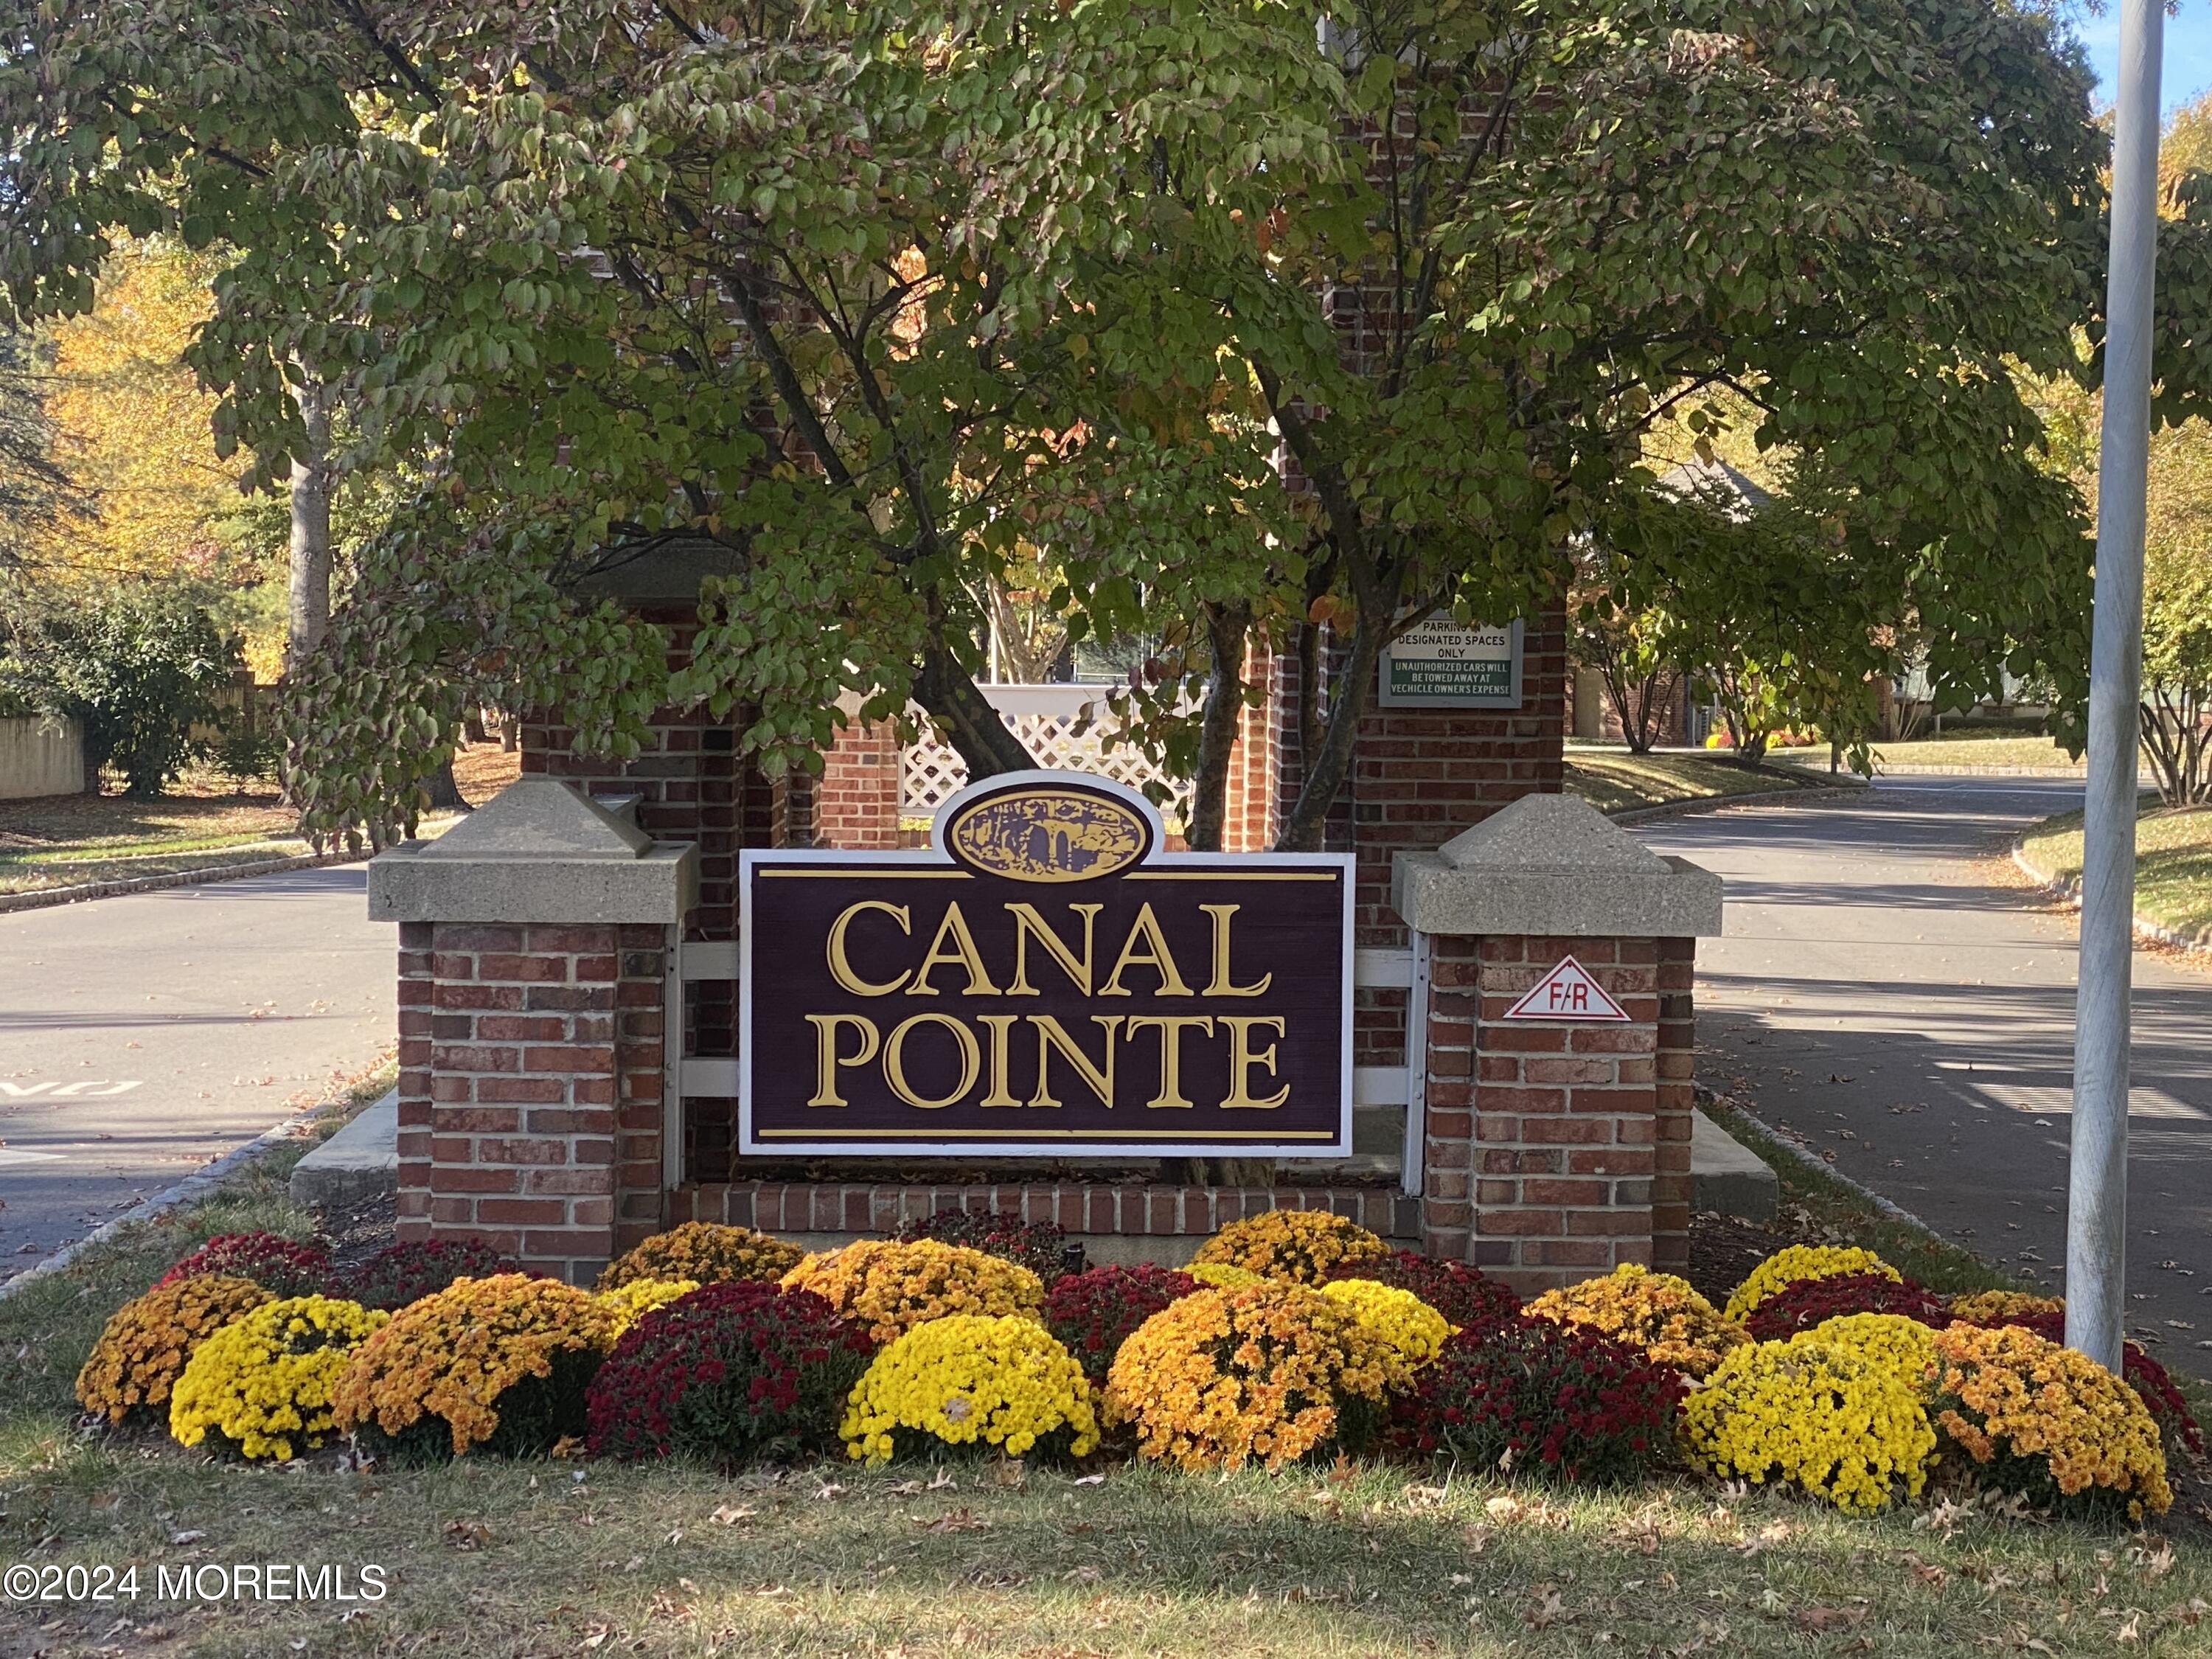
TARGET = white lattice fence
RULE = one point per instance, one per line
(1062, 725)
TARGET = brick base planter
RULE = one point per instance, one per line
(1178, 1212)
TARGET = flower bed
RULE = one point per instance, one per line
(1294, 1335)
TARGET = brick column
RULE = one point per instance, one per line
(1554, 1150)
(532, 979)
(530, 1105)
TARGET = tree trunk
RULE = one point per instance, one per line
(1228, 628)
(445, 794)
(472, 727)
(1326, 766)
(307, 617)
(947, 693)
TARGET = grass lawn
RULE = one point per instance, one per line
(1957, 749)
(2173, 862)
(1614, 780)
(544, 1557)
(203, 821)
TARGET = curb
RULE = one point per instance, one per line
(195, 1186)
(1812, 1160)
(47, 897)
(2068, 887)
(1675, 809)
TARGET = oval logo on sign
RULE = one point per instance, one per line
(1049, 833)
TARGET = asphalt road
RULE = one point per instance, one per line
(141, 1036)
(1882, 990)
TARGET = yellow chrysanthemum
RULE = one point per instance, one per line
(1301, 1245)
(1220, 1276)
(892, 1287)
(143, 1348)
(1839, 1425)
(1905, 1346)
(1413, 1332)
(1264, 1374)
(1798, 1261)
(263, 1382)
(630, 1303)
(704, 1252)
(1660, 1313)
(1001, 1381)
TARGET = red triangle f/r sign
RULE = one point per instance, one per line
(1567, 993)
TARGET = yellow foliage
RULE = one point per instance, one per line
(1412, 1331)
(630, 1303)
(1822, 1416)
(1787, 1266)
(705, 1252)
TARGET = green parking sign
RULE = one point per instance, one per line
(1440, 663)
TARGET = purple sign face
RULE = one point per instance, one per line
(1045, 981)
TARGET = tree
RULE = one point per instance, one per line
(138, 670)
(1269, 323)
(36, 492)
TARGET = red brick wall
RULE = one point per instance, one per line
(1555, 1152)
(530, 1088)
(856, 800)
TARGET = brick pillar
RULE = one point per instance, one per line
(533, 978)
(530, 1105)
(1553, 1150)
(856, 800)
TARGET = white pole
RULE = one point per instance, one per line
(2096, 1205)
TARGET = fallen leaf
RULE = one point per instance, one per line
(465, 1534)
(729, 1514)
(192, 1536)
(959, 1520)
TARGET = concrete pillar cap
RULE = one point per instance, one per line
(540, 850)
(1553, 865)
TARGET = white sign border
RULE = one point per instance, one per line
(1385, 698)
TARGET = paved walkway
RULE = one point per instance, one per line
(1880, 991)
(141, 1036)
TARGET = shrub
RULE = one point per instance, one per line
(1300, 1245)
(1413, 1332)
(283, 1266)
(1810, 1302)
(2177, 1424)
(401, 1273)
(261, 1386)
(139, 670)
(144, 1348)
(706, 1253)
(1837, 1423)
(630, 1303)
(1037, 1245)
(730, 1372)
(1529, 1396)
(1093, 1313)
(2047, 1422)
(1797, 1262)
(891, 1287)
(971, 1379)
(1270, 1372)
(1657, 1313)
(501, 1363)
(2002, 1307)
(1460, 1293)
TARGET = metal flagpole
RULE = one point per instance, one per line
(2096, 1204)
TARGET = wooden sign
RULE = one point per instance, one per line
(1046, 980)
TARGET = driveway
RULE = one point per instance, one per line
(141, 1036)
(1882, 991)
